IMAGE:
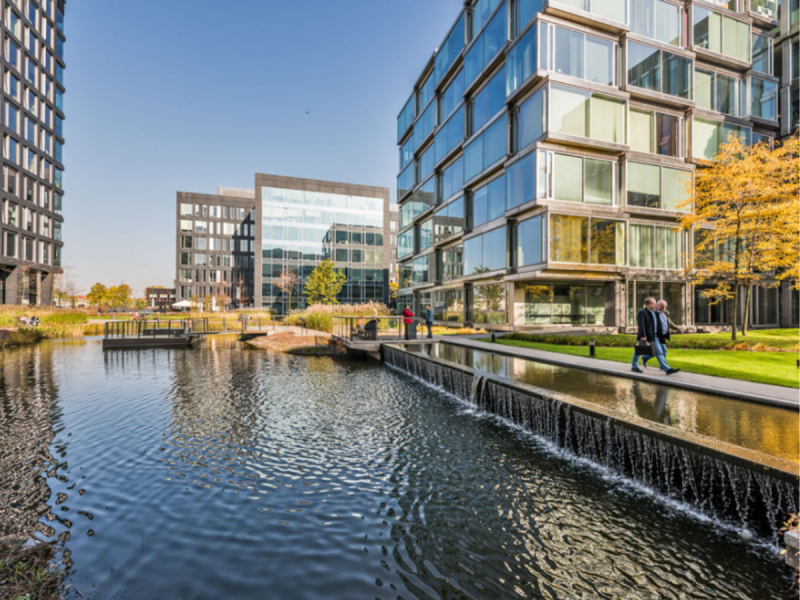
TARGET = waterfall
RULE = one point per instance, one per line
(737, 490)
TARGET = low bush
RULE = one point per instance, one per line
(64, 318)
(683, 341)
(20, 337)
(319, 321)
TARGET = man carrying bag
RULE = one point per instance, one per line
(650, 339)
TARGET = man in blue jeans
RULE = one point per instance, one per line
(651, 329)
(429, 320)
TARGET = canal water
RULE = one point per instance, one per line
(221, 472)
(771, 430)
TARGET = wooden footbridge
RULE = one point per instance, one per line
(181, 333)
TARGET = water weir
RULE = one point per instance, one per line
(748, 488)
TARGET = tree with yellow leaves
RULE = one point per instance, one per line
(746, 221)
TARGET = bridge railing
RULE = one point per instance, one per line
(362, 328)
(205, 325)
(145, 328)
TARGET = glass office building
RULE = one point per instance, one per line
(548, 150)
(285, 227)
(33, 141)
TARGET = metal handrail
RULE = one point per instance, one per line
(350, 328)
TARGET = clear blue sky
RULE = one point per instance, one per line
(185, 95)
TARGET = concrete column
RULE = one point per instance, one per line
(785, 302)
(46, 289)
(13, 286)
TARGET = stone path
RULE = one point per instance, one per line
(733, 388)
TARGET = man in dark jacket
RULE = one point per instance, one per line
(429, 320)
(651, 330)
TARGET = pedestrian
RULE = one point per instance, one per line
(651, 329)
(665, 323)
(429, 320)
(408, 319)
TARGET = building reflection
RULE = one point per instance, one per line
(28, 416)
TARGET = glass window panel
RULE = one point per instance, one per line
(761, 58)
(668, 23)
(644, 185)
(705, 138)
(607, 242)
(599, 60)
(763, 98)
(704, 89)
(667, 131)
(610, 9)
(568, 178)
(644, 66)
(736, 39)
(521, 181)
(642, 130)
(673, 293)
(473, 255)
(521, 60)
(607, 119)
(531, 119)
(675, 188)
(641, 246)
(707, 28)
(495, 146)
(599, 181)
(494, 249)
(676, 72)
(643, 14)
(480, 206)
(667, 255)
(569, 52)
(568, 111)
(569, 239)
(529, 234)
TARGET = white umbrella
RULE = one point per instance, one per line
(184, 304)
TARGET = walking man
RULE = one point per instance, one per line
(429, 320)
(653, 330)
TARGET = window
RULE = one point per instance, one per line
(489, 101)
(449, 220)
(186, 242)
(414, 272)
(547, 304)
(12, 118)
(576, 178)
(406, 118)
(450, 135)
(481, 12)
(608, 9)
(576, 54)
(488, 202)
(762, 54)
(448, 305)
(451, 181)
(425, 92)
(583, 240)
(722, 34)
(11, 244)
(656, 19)
(487, 45)
(425, 164)
(530, 120)
(521, 60)
(419, 202)
(186, 226)
(654, 247)
(530, 248)
(12, 53)
(521, 181)
(487, 149)
(489, 303)
(12, 85)
(424, 125)
(405, 181)
(30, 131)
(655, 132)
(11, 149)
(486, 252)
(659, 71)
(585, 114)
(450, 49)
(425, 234)
(451, 97)
(763, 98)
(654, 186)
(405, 243)
(707, 135)
(719, 92)
(765, 8)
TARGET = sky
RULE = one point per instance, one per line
(186, 95)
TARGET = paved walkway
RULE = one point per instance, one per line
(734, 388)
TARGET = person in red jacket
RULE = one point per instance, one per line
(408, 319)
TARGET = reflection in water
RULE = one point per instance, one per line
(767, 429)
(28, 416)
(219, 472)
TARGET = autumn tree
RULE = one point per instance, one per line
(120, 296)
(98, 295)
(288, 282)
(325, 283)
(745, 218)
(64, 287)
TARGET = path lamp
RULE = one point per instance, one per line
(592, 345)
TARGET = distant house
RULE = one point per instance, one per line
(159, 298)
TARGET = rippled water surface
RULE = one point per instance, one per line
(220, 472)
(770, 430)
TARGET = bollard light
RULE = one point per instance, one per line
(494, 337)
(592, 344)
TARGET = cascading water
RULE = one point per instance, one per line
(663, 464)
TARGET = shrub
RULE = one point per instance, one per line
(320, 322)
(64, 318)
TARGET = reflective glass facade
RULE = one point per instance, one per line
(564, 154)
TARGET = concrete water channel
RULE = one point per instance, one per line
(218, 471)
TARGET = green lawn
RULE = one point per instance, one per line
(777, 368)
